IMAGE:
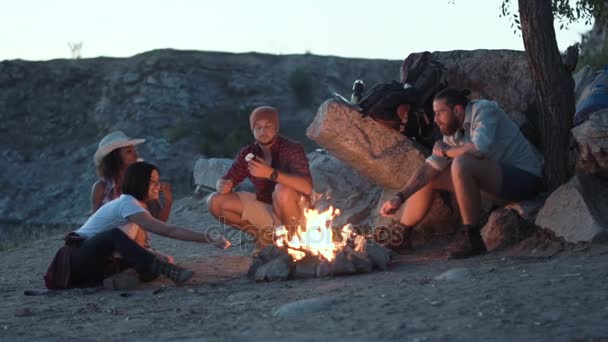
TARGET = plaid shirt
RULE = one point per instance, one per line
(287, 156)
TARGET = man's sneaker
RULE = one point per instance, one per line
(469, 243)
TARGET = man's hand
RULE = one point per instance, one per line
(165, 189)
(259, 168)
(224, 186)
(438, 148)
(390, 207)
(221, 242)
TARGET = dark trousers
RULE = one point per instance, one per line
(93, 261)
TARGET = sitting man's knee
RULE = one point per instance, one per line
(462, 165)
(214, 203)
(284, 193)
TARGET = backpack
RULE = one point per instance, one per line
(421, 78)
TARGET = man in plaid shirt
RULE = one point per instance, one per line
(278, 168)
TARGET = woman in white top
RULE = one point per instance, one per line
(113, 227)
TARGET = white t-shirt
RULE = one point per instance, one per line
(113, 215)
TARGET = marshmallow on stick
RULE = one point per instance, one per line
(249, 157)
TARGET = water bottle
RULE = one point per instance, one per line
(358, 87)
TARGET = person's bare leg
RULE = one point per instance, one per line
(417, 206)
(285, 203)
(228, 208)
(470, 175)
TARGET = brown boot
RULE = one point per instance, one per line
(179, 275)
(469, 243)
(397, 237)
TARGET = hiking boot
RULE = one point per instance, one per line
(179, 275)
(397, 237)
(468, 244)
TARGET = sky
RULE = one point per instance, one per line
(384, 29)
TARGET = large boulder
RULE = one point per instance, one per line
(578, 210)
(382, 155)
(592, 141)
(343, 188)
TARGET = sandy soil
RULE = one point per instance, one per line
(500, 296)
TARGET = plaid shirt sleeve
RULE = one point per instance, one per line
(238, 171)
(298, 162)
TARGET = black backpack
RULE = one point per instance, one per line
(421, 78)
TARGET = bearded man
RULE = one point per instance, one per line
(482, 150)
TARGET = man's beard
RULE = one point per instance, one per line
(267, 142)
(450, 128)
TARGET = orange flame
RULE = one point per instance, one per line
(315, 238)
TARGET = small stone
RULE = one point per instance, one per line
(361, 261)
(306, 267)
(455, 274)
(341, 265)
(379, 255)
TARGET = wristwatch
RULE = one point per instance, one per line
(444, 151)
(274, 175)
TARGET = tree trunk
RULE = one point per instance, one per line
(554, 88)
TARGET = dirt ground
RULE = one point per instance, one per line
(498, 297)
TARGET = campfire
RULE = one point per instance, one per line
(316, 250)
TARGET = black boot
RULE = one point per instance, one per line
(469, 243)
(396, 237)
(178, 274)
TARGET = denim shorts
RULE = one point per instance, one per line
(518, 185)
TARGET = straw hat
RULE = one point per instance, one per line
(111, 142)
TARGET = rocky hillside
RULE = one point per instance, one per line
(185, 103)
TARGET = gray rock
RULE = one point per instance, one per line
(504, 228)
(306, 267)
(274, 270)
(361, 261)
(303, 307)
(341, 265)
(380, 256)
(578, 210)
(592, 141)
